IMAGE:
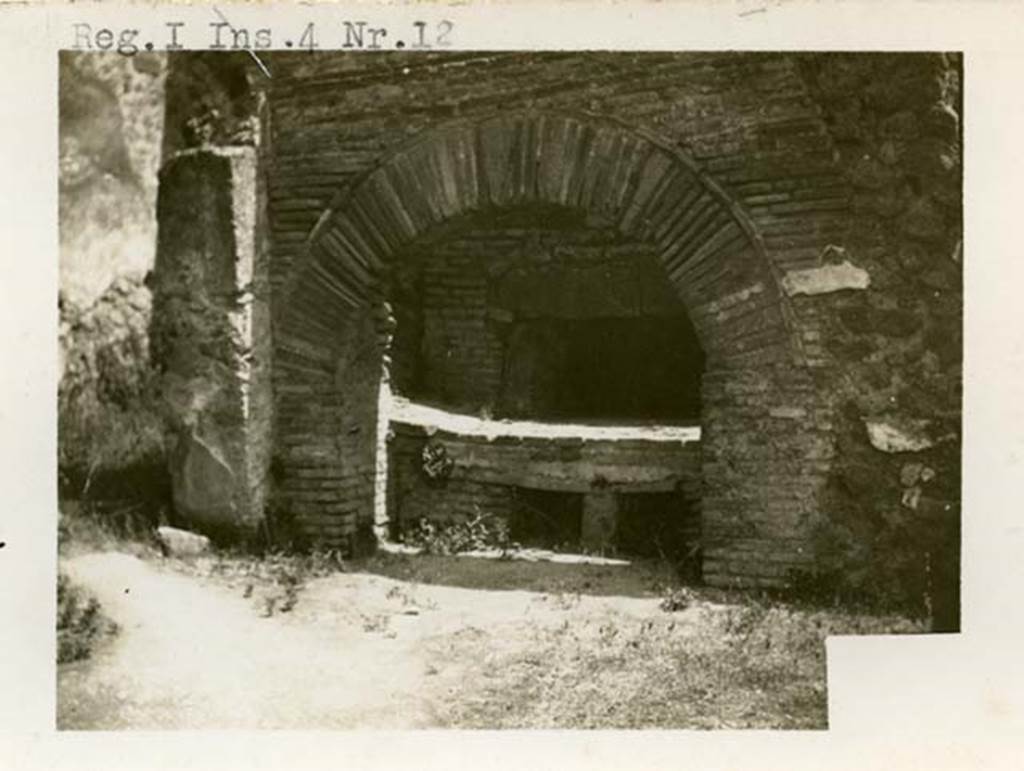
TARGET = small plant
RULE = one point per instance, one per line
(676, 599)
(269, 604)
(742, 621)
(289, 573)
(565, 600)
(104, 526)
(274, 580)
(289, 582)
(403, 596)
(80, 622)
(375, 623)
(477, 534)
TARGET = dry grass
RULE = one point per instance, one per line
(643, 578)
(85, 528)
(712, 666)
(627, 649)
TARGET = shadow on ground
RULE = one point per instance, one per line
(635, 578)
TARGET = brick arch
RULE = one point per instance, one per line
(643, 186)
(333, 323)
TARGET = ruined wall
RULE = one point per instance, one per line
(766, 425)
(893, 508)
(749, 122)
(457, 499)
(845, 167)
(493, 476)
(488, 315)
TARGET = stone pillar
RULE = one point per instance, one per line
(600, 511)
(210, 336)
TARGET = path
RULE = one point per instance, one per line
(358, 651)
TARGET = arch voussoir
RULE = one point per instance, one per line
(557, 155)
(409, 199)
(462, 150)
(625, 177)
(658, 171)
(386, 204)
(494, 148)
(673, 208)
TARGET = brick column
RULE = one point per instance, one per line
(768, 444)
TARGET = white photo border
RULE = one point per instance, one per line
(929, 702)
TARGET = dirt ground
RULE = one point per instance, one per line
(419, 642)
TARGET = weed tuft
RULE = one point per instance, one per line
(679, 598)
(81, 624)
(477, 534)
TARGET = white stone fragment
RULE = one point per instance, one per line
(911, 497)
(788, 413)
(825, 278)
(182, 543)
(898, 435)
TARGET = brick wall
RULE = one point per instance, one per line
(749, 122)
(323, 145)
(325, 440)
(804, 208)
(489, 474)
(895, 124)
(488, 319)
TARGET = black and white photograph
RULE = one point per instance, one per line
(556, 385)
(502, 390)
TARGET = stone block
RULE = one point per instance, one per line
(894, 433)
(182, 543)
(788, 413)
(825, 279)
(600, 511)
